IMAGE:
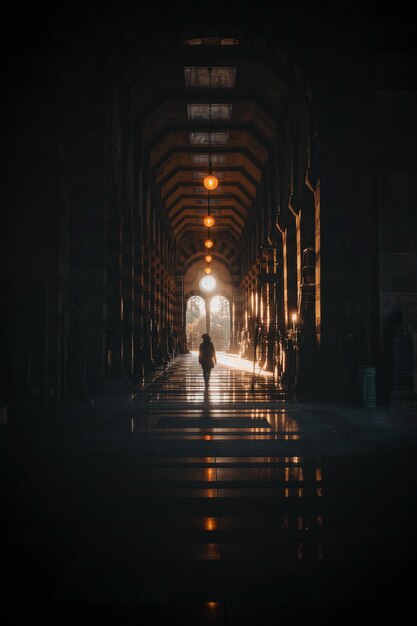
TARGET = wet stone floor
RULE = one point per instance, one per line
(231, 506)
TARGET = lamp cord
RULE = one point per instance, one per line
(210, 128)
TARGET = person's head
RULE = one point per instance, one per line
(206, 337)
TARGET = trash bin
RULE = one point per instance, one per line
(366, 385)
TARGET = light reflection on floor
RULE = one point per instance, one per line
(233, 498)
(234, 361)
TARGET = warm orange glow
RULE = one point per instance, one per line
(210, 182)
(208, 258)
(209, 221)
(209, 243)
(294, 320)
(207, 270)
(210, 523)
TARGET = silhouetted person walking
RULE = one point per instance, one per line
(207, 357)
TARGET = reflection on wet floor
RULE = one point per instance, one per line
(229, 507)
(233, 380)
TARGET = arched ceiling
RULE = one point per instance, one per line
(210, 100)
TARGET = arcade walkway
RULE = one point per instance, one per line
(234, 507)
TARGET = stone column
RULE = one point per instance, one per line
(403, 349)
(77, 392)
(207, 302)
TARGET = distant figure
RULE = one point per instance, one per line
(207, 357)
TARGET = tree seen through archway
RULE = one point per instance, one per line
(220, 322)
(195, 321)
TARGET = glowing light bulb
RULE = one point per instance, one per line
(207, 270)
(208, 221)
(209, 243)
(208, 258)
(210, 182)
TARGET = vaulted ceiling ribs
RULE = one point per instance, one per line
(224, 113)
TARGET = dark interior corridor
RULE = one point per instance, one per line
(242, 169)
(231, 507)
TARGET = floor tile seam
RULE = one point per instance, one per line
(230, 559)
(132, 468)
(135, 471)
(190, 535)
(232, 464)
(266, 500)
(191, 425)
(211, 415)
(224, 429)
(230, 458)
(216, 430)
(151, 499)
(258, 499)
(207, 495)
(128, 442)
(132, 454)
(198, 542)
(284, 524)
(131, 439)
(218, 404)
(214, 443)
(202, 466)
(257, 494)
(247, 483)
(219, 436)
(270, 489)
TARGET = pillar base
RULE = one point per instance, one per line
(366, 386)
(117, 385)
(404, 398)
(78, 397)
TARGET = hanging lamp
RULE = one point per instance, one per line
(209, 219)
(209, 243)
(210, 182)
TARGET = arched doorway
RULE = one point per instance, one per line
(195, 321)
(220, 322)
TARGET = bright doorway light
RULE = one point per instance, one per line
(208, 283)
(216, 304)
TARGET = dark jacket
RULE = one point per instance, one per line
(207, 354)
